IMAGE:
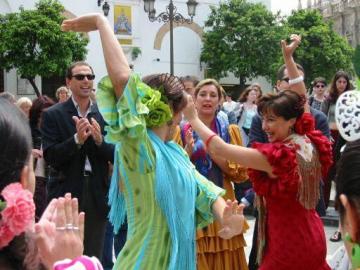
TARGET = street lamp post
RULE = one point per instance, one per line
(170, 15)
(105, 7)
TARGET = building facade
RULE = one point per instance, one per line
(345, 15)
(146, 44)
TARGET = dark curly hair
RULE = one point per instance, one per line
(286, 104)
(174, 89)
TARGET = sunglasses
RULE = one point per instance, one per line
(320, 86)
(286, 79)
(81, 77)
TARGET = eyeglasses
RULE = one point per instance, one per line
(81, 77)
(286, 79)
(320, 86)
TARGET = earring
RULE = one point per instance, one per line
(355, 252)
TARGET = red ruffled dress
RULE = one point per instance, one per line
(291, 234)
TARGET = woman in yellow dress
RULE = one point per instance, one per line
(213, 252)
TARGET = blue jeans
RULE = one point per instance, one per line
(118, 241)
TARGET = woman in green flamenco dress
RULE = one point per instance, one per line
(154, 183)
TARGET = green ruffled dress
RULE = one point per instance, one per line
(149, 243)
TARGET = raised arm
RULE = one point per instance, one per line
(247, 157)
(116, 62)
(288, 50)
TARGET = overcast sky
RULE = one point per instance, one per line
(285, 6)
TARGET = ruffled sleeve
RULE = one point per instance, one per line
(206, 195)
(282, 158)
(125, 117)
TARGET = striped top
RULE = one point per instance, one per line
(148, 244)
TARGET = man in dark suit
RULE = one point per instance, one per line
(257, 134)
(74, 147)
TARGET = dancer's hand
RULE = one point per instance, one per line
(232, 220)
(60, 231)
(189, 111)
(289, 49)
(189, 141)
(85, 23)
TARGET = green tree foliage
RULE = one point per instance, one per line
(322, 51)
(242, 38)
(356, 60)
(32, 42)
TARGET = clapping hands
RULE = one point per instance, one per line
(84, 129)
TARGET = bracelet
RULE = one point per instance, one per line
(296, 80)
(209, 139)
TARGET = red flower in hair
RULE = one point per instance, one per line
(6, 236)
(304, 124)
(18, 214)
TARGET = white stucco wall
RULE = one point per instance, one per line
(187, 44)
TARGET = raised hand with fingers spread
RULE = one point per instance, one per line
(289, 49)
(233, 220)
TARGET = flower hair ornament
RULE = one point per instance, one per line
(347, 115)
(304, 124)
(17, 212)
(159, 110)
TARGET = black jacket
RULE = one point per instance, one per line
(67, 159)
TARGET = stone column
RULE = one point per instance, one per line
(309, 4)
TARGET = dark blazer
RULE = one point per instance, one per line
(67, 159)
(258, 135)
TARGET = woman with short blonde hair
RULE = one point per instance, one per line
(62, 94)
(24, 104)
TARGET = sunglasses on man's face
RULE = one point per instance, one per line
(81, 77)
(286, 79)
(320, 86)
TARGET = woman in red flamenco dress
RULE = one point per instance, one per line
(285, 174)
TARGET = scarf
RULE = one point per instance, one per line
(175, 192)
